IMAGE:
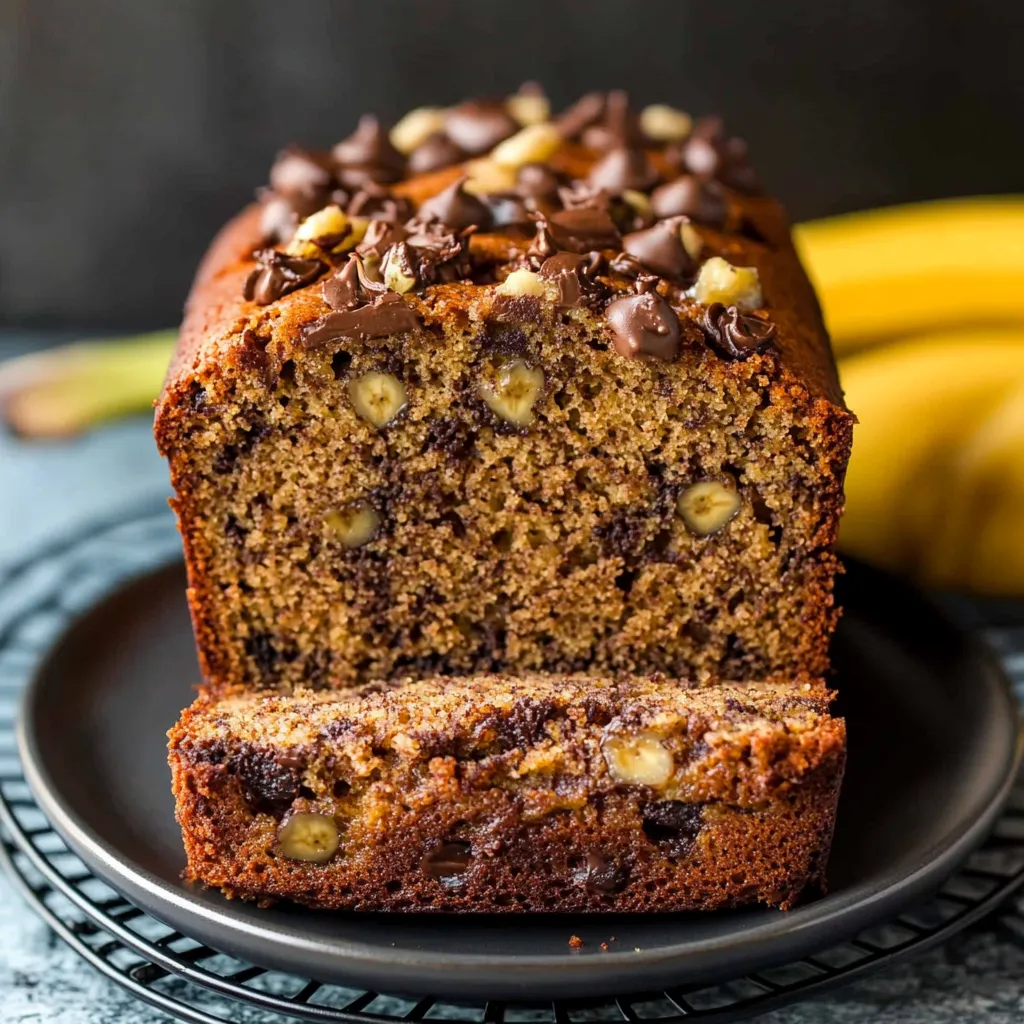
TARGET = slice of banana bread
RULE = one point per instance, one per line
(495, 793)
(565, 405)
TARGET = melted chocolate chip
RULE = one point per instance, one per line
(621, 168)
(433, 153)
(297, 172)
(456, 208)
(380, 203)
(379, 235)
(506, 208)
(269, 783)
(701, 201)
(341, 290)
(447, 861)
(735, 334)
(388, 315)
(660, 249)
(644, 325)
(564, 269)
(603, 874)
(724, 159)
(367, 154)
(538, 181)
(585, 111)
(476, 127)
(673, 824)
(279, 274)
(583, 229)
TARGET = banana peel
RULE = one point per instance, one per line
(64, 390)
(907, 270)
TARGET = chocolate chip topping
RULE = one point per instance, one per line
(603, 874)
(538, 181)
(564, 269)
(297, 172)
(449, 860)
(477, 127)
(380, 203)
(724, 159)
(367, 155)
(507, 208)
(456, 208)
(341, 290)
(279, 274)
(701, 201)
(269, 783)
(735, 334)
(435, 152)
(585, 111)
(621, 168)
(278, 219)
(582, 229)
(388, 315)
(660, 249)
(644, 325)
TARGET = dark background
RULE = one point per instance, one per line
(131, 129)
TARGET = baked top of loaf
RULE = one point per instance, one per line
(725, 210)
(546, 397)
(495, 792)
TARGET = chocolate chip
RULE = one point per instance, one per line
(603, 874)
(701, 201)
(433, 153)
(506, 208)
(585, 111)
(299, 173)
(367, 155)
(380, 234)
(564, 270)
(623, 167)
(279, 274)
(673, 824)
(644, 325)
(582, 229)
(735, 334)
(269, 782)
(477, 127)
(724, 159)
(447, 861)
(456, 208)
(388, 315)
(380, 203)
(341, 290)
(538, 181)
(660, 249)
(278, 219)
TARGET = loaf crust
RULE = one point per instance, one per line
(496, 793)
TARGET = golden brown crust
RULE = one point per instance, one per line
(510, 780)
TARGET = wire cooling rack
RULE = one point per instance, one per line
(195, 983)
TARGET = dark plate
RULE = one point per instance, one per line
(933, 751)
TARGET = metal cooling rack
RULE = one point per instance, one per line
(192, 982)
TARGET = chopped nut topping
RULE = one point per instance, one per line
(377, 397)
(398, 270)
(486, 176)
(719, 281)
(529, 105)
(706, 507)
(513, 394)
(416, 127)
(637, 760)
(311, 837)
(533, 144)
(355, 526)
(665, 124)
(329, 229)
(524, 282)
(692, 242)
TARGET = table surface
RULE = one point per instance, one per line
(49, 489)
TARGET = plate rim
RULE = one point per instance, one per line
(494, 975)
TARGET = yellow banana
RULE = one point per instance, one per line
(902, 270)
(979, 541)
(916, 401)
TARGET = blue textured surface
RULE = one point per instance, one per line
(48, 490)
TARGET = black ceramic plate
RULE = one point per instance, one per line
(933, 750)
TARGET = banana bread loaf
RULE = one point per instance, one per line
(492, 793)
(504, 392)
